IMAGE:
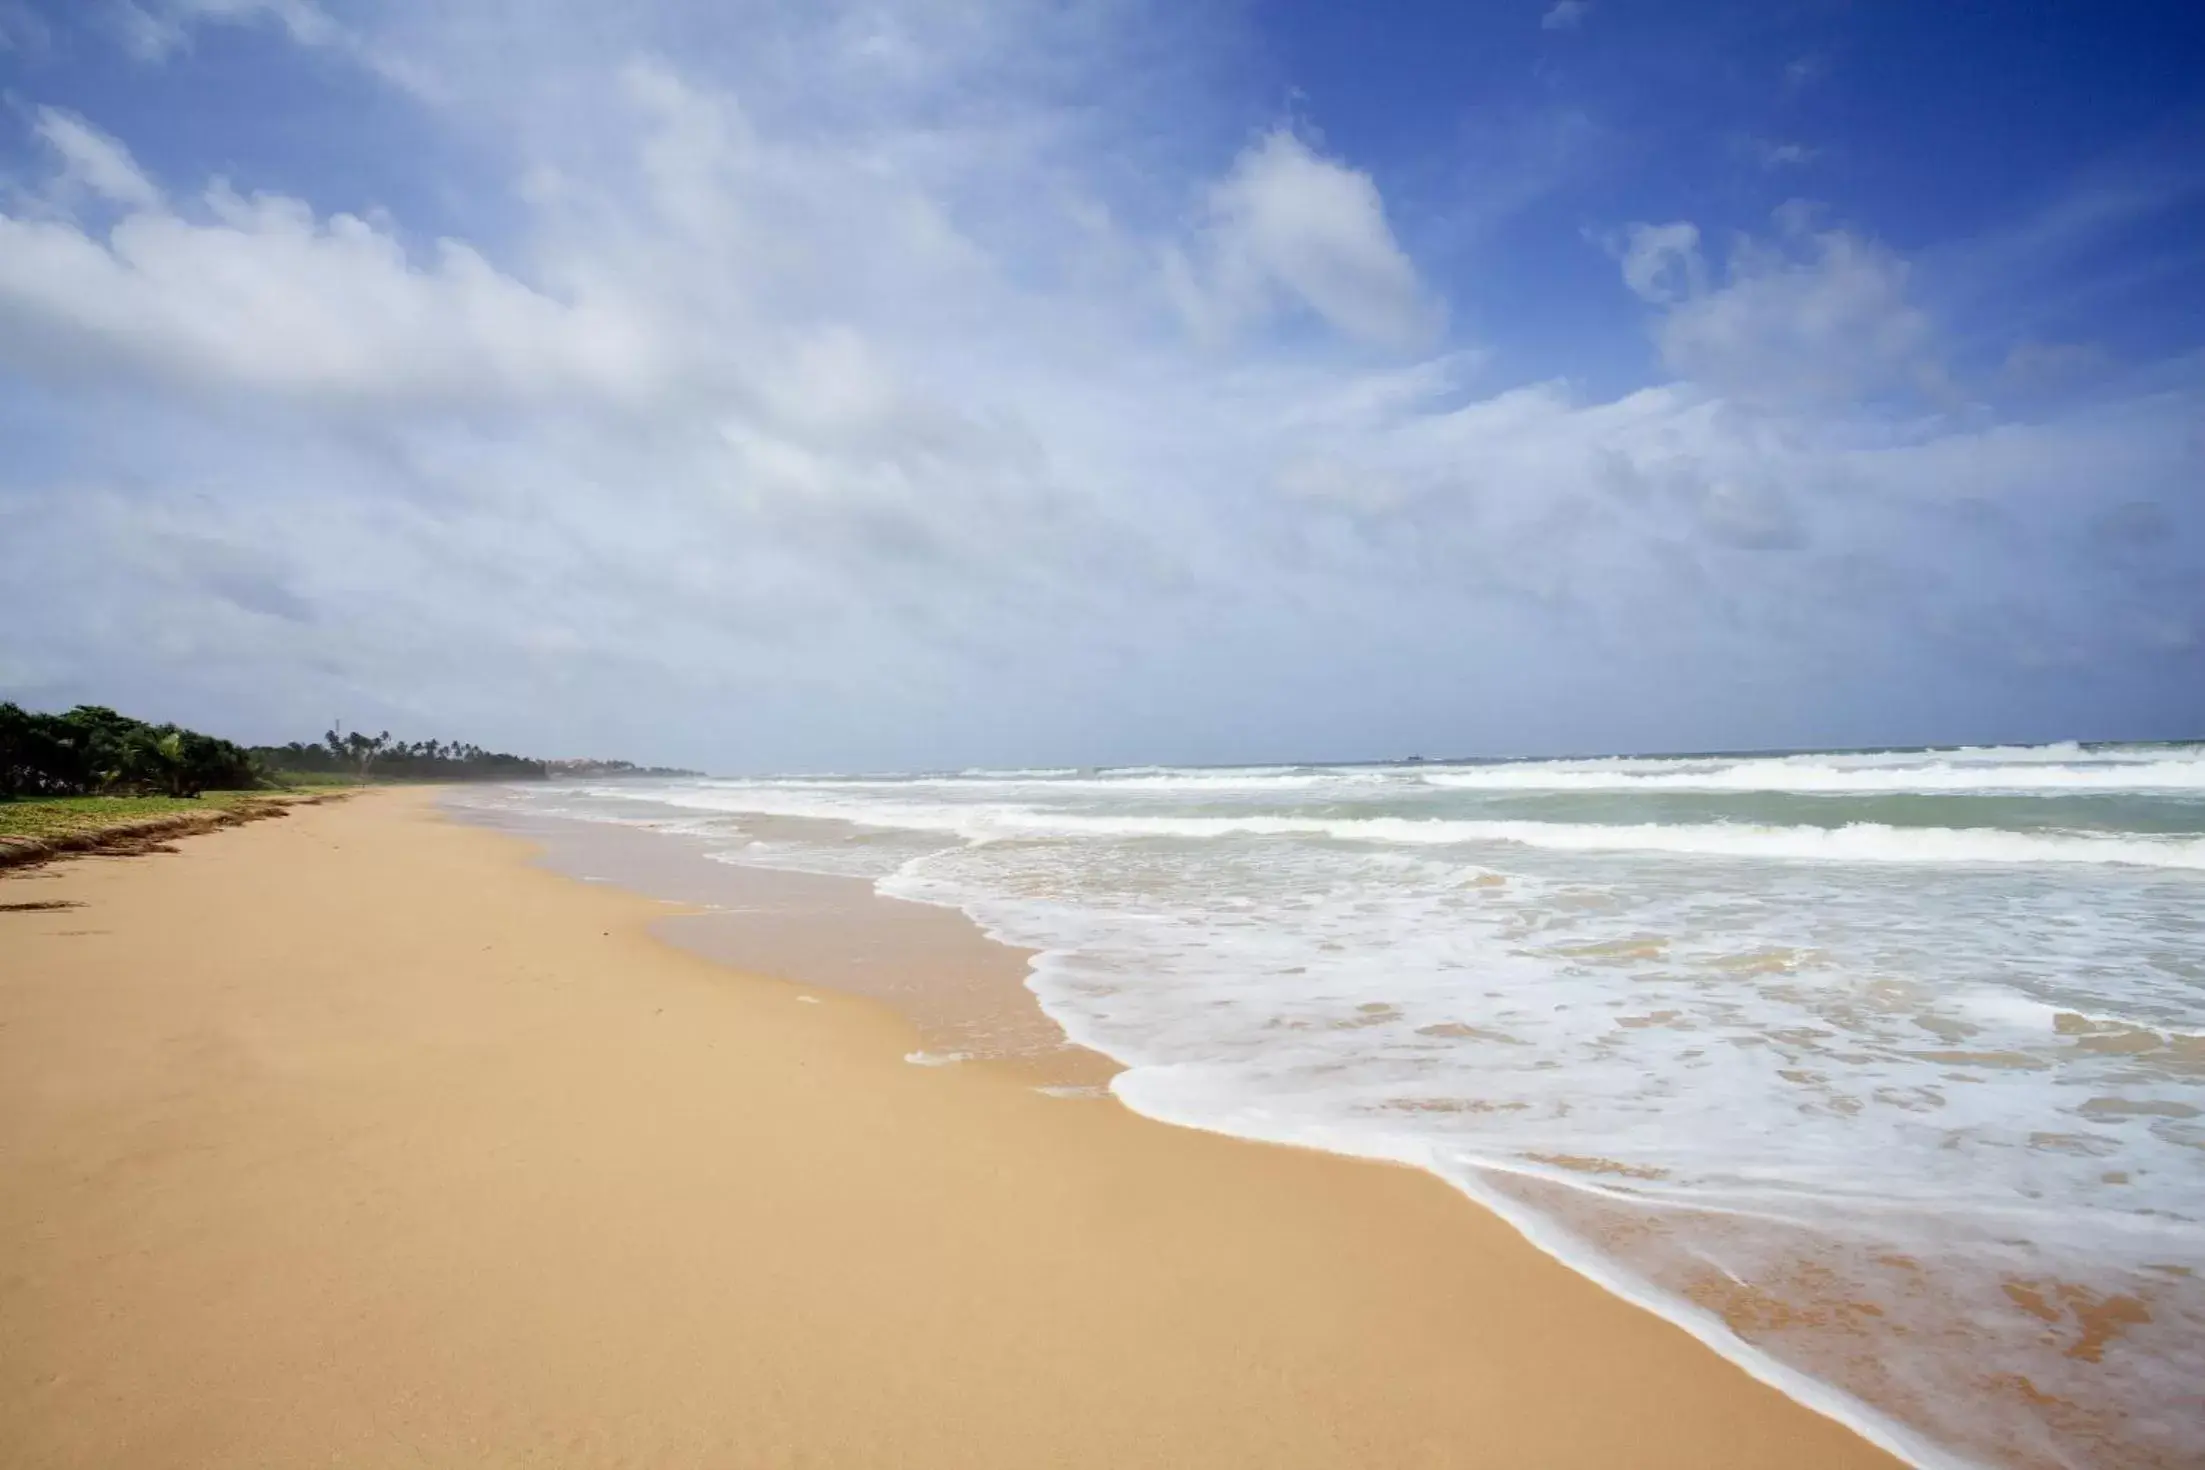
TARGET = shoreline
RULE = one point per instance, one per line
(1935, 1161)
(748, 903)
(515, 1178)
(963, 989)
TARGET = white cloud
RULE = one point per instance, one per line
(1812, 314)
(1565, 15)
(263, 295)
(1754, 514)
(792, 422)
(1288, 224)
(92, 160)
(154, 30)
(1661, 263)
(1772, 154)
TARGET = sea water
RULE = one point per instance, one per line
(1882, 1072)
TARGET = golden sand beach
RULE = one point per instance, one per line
(356, 1138)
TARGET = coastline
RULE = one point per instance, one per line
(361, 1136)
(963, 990)
(974, 996)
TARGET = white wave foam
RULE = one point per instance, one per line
(1900, 1440)
(1820, 777)
(1189, 783)
(1859, 842)
(1757, 1028)
(1144, 779)
(1295, 995)
(2042, 769)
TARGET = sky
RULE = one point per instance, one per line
(817, 385)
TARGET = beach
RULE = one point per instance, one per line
(356, 1137)
(1875, 1071)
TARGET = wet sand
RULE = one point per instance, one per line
(963, 993)
(356, 1137)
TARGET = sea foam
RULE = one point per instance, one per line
(1857, 842)
(1883, 1072)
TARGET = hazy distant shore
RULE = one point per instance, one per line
(289, 1181)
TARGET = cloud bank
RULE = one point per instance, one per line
(886, 392)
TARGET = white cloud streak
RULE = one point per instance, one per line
(1773, 155)
(155, 30)
(262, 295)
(1812, 314)
(1287, 225)
(94, 162)
(794, 425)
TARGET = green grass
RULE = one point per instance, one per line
(318, 780)
(47, 818)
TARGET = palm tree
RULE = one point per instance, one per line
(155, 758)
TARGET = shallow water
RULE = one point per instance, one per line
(1884, 1072)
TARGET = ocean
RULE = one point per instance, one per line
(1882, 1072)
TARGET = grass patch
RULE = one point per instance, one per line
(41, 829)
(69, 818)
(51, 818)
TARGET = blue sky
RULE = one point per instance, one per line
(797, 386)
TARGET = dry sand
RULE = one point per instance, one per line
(353, 1138)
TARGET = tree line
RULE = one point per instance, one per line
(379, 756)
(92, 749)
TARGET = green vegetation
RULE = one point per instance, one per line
(92, 749)
(94, 752)
(55, 818)
(41, 828)
(94, 780)
(379, 758)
